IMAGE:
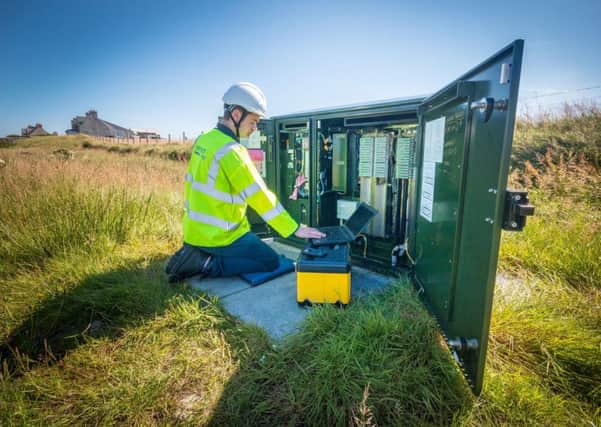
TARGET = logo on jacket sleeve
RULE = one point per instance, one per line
(200, 151)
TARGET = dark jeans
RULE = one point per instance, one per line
(248, 254)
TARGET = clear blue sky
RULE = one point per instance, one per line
(165, 65)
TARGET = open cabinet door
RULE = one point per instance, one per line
(261, 147)
(458, 199)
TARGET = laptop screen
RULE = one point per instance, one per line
(360, 218)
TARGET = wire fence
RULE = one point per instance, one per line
(145, 140)
(534, 104)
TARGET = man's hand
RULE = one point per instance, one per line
(305, 232)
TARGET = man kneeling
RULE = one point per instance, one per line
(220, 183)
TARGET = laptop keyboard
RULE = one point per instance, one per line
(333, 234)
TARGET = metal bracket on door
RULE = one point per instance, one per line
(487, 105)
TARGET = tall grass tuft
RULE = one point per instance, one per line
(51, 208)
(564, 237)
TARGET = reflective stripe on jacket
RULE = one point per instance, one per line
(220, 183)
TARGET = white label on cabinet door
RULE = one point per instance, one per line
(427, 193)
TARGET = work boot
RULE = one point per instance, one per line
(187, 261)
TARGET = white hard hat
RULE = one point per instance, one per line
(247, 96)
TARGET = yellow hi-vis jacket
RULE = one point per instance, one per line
(220, 183)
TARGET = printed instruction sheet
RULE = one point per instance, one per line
(434, 140)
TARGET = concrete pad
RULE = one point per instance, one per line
(283, 249)
(272, 305)
(220, 286)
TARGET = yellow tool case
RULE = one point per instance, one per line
(323, 275)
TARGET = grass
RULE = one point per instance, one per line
(175, 151)
(576, 131)
(139, 349)
(383, 353)
(544, 334)
(545, 344)
(92, 334)
(45, 143)
(53, 207)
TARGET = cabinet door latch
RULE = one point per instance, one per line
(517, 208)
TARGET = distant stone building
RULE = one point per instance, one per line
(37, 130)
(90, 124)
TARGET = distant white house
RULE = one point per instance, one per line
(147, 133)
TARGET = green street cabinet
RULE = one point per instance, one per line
(436, 170)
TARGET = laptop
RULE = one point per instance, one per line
(350, 230)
